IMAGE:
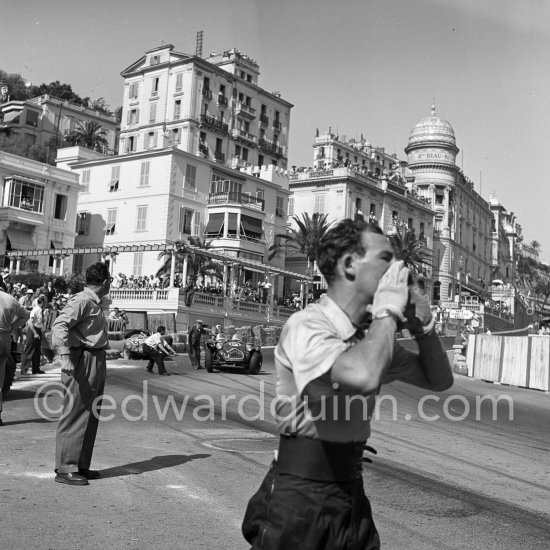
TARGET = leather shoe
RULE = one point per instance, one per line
(39, 372)
(150, 370)
(72, 478)
(89, 474)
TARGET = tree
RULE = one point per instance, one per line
(16, 84)
(21, 146)
(88, 134)
(197, 264)
(535, 245)
(410, 249)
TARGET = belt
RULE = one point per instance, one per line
(320, 460)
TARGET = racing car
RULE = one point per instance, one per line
(222, 351)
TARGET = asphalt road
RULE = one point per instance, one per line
(181, 455)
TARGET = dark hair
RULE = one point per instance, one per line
(161, 328)
(345, 237)
(41, 300)
(97, 273)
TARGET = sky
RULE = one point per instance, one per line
(368, 67)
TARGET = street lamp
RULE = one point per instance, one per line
(460, 268)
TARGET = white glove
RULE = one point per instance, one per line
(392, 292)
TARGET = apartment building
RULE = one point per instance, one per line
(213, 108)
(38, 212)
(45, 117)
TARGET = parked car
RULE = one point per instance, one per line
(11, 365)
(222, 351)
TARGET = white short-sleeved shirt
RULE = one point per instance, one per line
(154, 340)
(310, 343)
(36, 317)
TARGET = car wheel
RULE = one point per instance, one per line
(10, 373)
(208, 360)
(255, 365)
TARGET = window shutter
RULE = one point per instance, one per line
(87, 222)
(137, 116)
(128, 116)
(155, 139)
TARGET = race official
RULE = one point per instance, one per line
(12, 317)
(156, 347)
(329, 372)
(79, 335)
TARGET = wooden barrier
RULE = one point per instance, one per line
(514, 360)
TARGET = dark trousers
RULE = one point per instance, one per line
(293, 513)
(195, 356)
(31, 354)
(77, 426)
(5, 350)
(155, 356)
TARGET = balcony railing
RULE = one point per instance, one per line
(244, 109)
(267, 146)
(238, 162)
(207, 94)
(264, 119)
(213, 123)
(219, 156)
(277, 126)
(245, 136)
(222, 100)
(235, 196)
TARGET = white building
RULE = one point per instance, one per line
(213, 107)
(38, 211)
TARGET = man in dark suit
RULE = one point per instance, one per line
(194, 342)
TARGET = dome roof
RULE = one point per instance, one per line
(432, 129)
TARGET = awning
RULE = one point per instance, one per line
(56, 244)
(215, 224)
(20, 240)
(251, 225)
(232, 223)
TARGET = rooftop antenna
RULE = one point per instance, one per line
(433, 106)
(198, 49)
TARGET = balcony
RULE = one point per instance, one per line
(245, 110)
(244, 136)
(264, 120)
(206, 94)
(238, 162)
(203, 149)
(267, 146)
(219, 156)
(237, 198)
(222, 100)
(207, 121)
(277, 126)
(24, 215)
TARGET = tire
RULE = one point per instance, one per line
(10, 374)
(208, 360)
(256, 360)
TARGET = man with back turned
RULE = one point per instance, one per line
(79, 335)
(329, 372)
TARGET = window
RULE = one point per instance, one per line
(190, 177)
(394, 216)
(177, 109)
(186, 219)
(115, 177)
(141, 224)
(155, 60)
(138, 263)
(86, 181)
(422, 229)
(25, 195)
(83, 222)
(438, 198)
(179, 82)
(372, 211)
(144, 175)
(410, 223)
(132, 144)
(261, 160)
(176, 136)
(31, 118)
(220, 184)
(358, 204)
(134, 90)
(279, 209)
(60, 207)
(153, 112)
(319, 205)
(244, 154)
(260, 194)
(155, 86)
(133, 116)
(291, 206)
(111, 221)
(196, 224)
(151, 140)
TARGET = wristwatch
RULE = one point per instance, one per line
(383, 313)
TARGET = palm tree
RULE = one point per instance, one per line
(88, 134)
(305, 239)
(535, 245)
(197, 263)
(411, 249)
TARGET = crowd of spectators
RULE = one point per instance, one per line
(149, 282)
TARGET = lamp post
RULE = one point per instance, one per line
(460, 268)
